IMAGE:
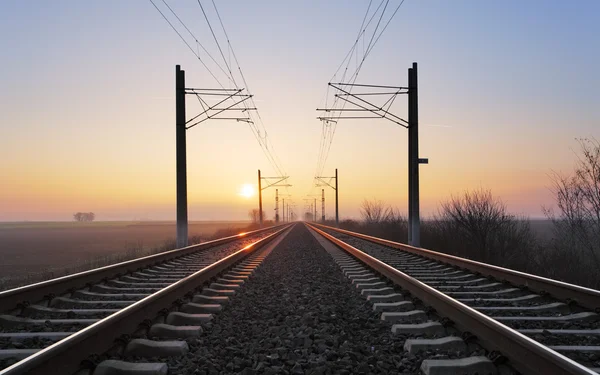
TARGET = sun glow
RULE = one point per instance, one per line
(247, 191)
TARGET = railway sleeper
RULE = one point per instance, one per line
(154, 276)
(377, 291)
(441, 278)
(220, 286)
(9, 321)
(484, 293)
(218, 292)
(583, 316)
(52, 312)
(237, 281)
(108, 296)
(17, 354)
(412, 316)
(360, 275)
(529, 297)
(202, 299)
(198, 308)
(393, 306)
(448, 343)
(115, 367)
(371, 285)
(392, 297)
(151, 348)
(438, 267)
(470, 365)
(556, 306)
(146, 279)
(169, 331)
(152, 272)
(484, 286)
(21, 336)
(440, 274)
(138, 284)
(583, 332)
(452, 282)
(66, 302)
(419, 329)
(367, 280)
(575, 348)
(110, 289)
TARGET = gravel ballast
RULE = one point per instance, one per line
(298, 314)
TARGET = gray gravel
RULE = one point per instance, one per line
(209, 256)
(589, 359)
(297, 315)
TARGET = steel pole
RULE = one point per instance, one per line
(414, 234)
(315, 214)
(322, 205)
(260, 214)
(181, 164)
(277, 206)
(337, 211)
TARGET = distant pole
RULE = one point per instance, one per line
(277, 206)
(414, 230)
(322, 205)
(315, 214)
(337, 211)
(260, 214)
(283, 208)
(180, 151)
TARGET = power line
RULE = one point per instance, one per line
(329, 127)
(193, 36)
(186, 43)
(259, 131)
(264, 141)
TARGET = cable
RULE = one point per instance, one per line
(260, 132)
(186, 43)
(328, 131)
(266, 141)
(193, 36)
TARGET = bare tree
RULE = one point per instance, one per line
(577, 225)
(84, 216)
(373, 212)
(254, 215)
(478, 226)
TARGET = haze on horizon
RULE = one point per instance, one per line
(87, 109)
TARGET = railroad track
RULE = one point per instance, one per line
(541, 326)
(50, 327)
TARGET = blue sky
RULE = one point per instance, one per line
(87, 109)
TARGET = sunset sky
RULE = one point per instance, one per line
(87, 103)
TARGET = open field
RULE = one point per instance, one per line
(36, 247)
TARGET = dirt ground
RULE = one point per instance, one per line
(42, 247)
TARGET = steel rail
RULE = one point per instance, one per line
(524, 354)
(586, 297)
(11, 299)
(99, 337)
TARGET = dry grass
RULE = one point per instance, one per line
(32, 252)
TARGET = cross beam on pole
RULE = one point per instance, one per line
(231, 101)
(363, 108)
(326, 181)
(278, 183)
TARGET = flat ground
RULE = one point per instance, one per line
(34, 247)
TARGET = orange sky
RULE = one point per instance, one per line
(87, 118)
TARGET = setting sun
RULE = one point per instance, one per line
(247, 191)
